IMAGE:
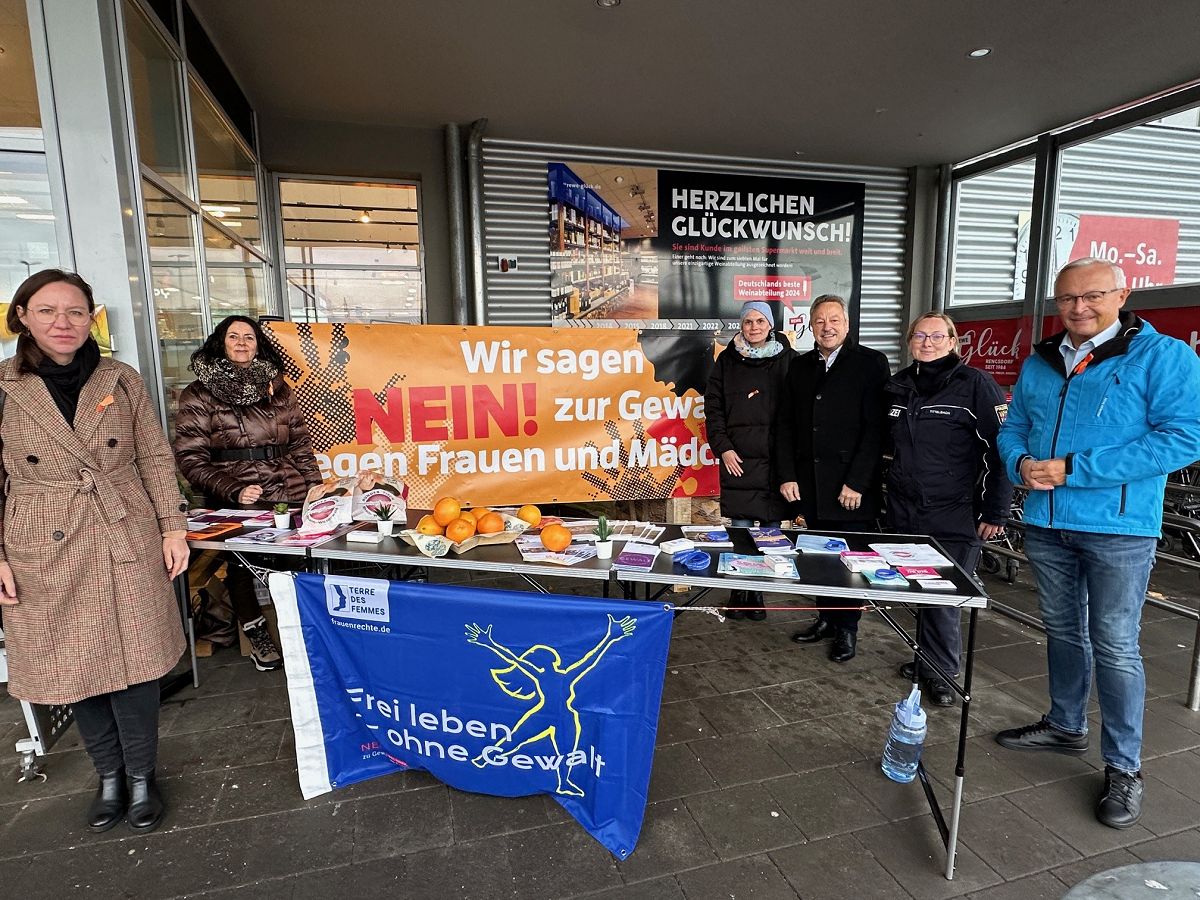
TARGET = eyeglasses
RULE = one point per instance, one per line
(937, 338)
(47, 315)
(1091, 298)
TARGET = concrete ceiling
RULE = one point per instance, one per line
(844, 81)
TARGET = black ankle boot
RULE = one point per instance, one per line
(146, 807)
(108, 806)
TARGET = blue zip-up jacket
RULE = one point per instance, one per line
(1123, 419)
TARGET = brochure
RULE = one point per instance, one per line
(820, 543)
(772, 540)
(636, 557)
(742, 564)
(200, 518)
(918, 573)
(706, 536)
(937, 584)
(911, 555)
(214, 532)
(261, 536)
(585, 530)
(531, 549)
(313, 538)
(888, 578)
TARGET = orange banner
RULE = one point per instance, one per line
(496, 415)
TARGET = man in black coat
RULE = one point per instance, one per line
(829, 445)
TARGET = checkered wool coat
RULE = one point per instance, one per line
(84, 511)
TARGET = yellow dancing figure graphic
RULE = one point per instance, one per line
(552, 690)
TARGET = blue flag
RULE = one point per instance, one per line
(497, 692)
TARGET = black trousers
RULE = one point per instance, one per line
(939, 629)
(845, 619)
(239, 581)
(120, 730)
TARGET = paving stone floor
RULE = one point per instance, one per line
(766, 784)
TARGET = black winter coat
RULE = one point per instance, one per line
(946, 474)
(204, 424)
(830, 431)
(740, 405)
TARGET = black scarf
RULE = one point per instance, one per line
(236, 385)
(928, 375)
(65, 382)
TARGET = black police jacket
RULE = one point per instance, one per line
(943, 447)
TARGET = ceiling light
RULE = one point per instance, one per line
(218, 213)
(608, 4)
(365, 218)
(12, 200)
(979, 52)
(620, 179)
(215, 208)
(36, 217)
(232, 223)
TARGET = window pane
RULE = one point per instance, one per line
(1134, 198)
(18, 89)
(354, 295)
(343, 223)
(27, 241)
(235, 277)
(178, 306)
(226, 172)
(157, 104)
(991, 236)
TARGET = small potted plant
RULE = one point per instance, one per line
(283, 517)
(604, 541)
(384, 515)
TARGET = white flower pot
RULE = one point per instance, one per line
(283, 520)
(385, 527)
(604, 549)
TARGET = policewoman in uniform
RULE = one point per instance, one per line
(946, 479)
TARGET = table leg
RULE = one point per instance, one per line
(961, 763)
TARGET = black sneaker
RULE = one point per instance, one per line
(263, 651)
(1121, 803)
(1043, 736)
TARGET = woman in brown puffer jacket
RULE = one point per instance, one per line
(240, 438)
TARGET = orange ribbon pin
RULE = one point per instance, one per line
(103, 403)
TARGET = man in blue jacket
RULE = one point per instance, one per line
(1101, 414)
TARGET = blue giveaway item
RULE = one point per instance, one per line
(497, 692)
(692, 560)
(906, 738)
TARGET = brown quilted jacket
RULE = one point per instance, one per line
(204, 424)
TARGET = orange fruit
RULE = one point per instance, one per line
(427, 525)
(556, 538)
(531, 514)
(446, 510)
(479, 512)
(460, 529)
(491, 523)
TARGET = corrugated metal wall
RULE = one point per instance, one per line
(1149, 170)
(514, 214)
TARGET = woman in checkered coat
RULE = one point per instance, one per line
(92, 534)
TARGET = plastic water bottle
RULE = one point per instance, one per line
(906, 737)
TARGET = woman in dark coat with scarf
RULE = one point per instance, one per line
(946, 478)
(241, 439)
(740, 404)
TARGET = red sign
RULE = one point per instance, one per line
(996, 346)
(1144, 248)
(791, 289)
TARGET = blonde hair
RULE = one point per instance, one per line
(945, 319)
